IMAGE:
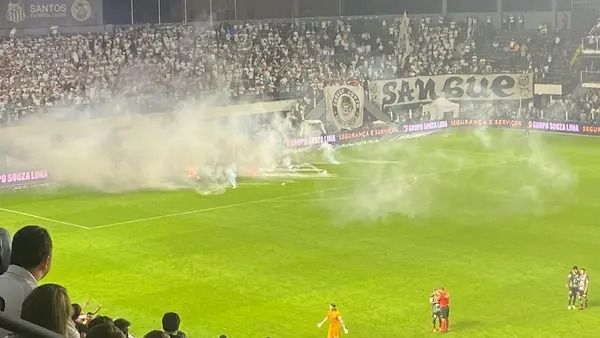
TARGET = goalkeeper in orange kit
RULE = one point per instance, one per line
(335, 322)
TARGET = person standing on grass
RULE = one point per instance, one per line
(443, 298)
(436, 311)
(584, 283)
(335, 322)
(30, 262)
(573, 287)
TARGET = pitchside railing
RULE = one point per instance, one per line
(24, 328)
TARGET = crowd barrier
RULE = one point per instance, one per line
(29, 178)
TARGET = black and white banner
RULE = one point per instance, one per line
(422, 89)
(345, 106)
(46, 13)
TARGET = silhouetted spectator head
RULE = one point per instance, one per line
(32, 250)
(123, 325)
(99, 320)
(76, 311)
(170, 323)
(156, 334)
(105, 330)
(48, 306)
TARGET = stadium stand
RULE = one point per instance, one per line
(151, 65)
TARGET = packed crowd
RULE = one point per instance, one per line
(154, 65)
(25, 262)
(153, 68)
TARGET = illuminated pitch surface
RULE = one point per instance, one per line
(489, 224)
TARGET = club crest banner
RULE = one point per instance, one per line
(345, 106)
(422, 89)
(46, 13)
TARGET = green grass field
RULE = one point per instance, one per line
(496, 217)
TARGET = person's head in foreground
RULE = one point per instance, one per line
(105, 330)
(48, 306)
(575, 269)
(76, 311)
(99, 320)
(156, 334)
(32, 250)
(170, 324)
(332, 307)
(123, 325)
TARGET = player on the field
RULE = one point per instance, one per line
(231, 176)
(328, 153)
(573, 287)
(443, 299)
(436, 311)
(584, 283)
(335, 322)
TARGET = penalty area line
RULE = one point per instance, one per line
(44, 218)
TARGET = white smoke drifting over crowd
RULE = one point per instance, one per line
(144, 151)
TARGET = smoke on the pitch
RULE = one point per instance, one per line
(134, 151)
(427, 177)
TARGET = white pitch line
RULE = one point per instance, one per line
(44, 218)
(272, 199)
(198, 211)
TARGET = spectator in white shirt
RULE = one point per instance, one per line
(31, 260)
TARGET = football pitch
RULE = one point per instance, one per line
(497, 217)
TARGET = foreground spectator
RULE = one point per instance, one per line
(48, 306)
(123, 325)
(105, 330)
(31, 259)
(77, 320)
(99, 321)
(4, 250)
(170, 323)
(156, 334)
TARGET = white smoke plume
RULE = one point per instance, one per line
(136, 151)
(518, 172)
